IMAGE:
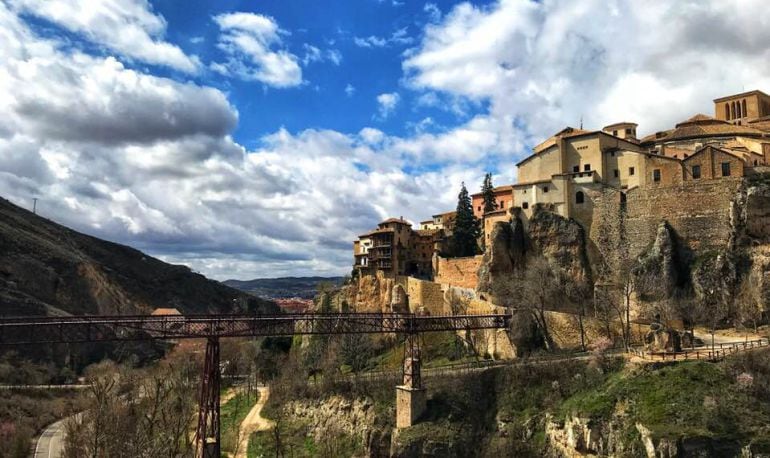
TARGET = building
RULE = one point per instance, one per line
(396, 249)
(567, 168)
(503, 199)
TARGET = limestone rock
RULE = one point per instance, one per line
(658, 270)
(505, 251)
(399, 301)
(562, 241)
(659, 339)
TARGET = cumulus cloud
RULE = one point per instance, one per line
(253, 44)
(387, 103)
(655, 63)
(128, 27)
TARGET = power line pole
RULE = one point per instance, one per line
(34, 205)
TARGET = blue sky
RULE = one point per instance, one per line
(258, 139)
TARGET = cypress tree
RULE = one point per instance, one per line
(488, 194)
(466, 229)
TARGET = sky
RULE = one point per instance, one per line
(258, 139)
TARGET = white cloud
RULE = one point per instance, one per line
(654, 63)
(128, 27)
(315, 54)
(399, 37)
(350, 90)
(253, 44)
(387, 103)
(434, 14)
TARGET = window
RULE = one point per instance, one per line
(612, 153)
(576, 168)
(478, 208)
(545, 189)
(631, 171)
(656, 175)
(616, 173)
(629, 132)
(725, 169)
(744, 107)
(579, 197)
(587, 167)
(727, 111)
(696, 171)
(615, 133)
(755, 162)
(524, 205)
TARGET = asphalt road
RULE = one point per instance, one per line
(50, 444)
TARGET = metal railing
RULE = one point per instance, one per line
(707, 352)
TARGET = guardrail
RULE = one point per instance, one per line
(714, 352)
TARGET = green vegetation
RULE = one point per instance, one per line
(293, 439)
(232, 414)
(686, 399)
(438, 349)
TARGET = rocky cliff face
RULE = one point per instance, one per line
(560, 240)
(661, 264)
(370, 293)
(48, 268)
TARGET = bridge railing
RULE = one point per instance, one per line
(707, 352)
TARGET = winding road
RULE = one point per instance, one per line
(50, 444)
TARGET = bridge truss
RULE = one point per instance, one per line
(81, 329)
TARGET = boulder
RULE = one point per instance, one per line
(659, 339)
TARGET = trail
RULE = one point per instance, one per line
(253, 422)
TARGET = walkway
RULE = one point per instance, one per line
(253, 422)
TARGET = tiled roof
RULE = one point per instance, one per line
(702, 125)
(165, 311)
(396, 220)
(506, 187)
(564, 133)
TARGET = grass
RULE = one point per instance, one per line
(232, 414)
(686, 399)
(438, 348)
(296, 442)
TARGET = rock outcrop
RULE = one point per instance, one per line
(660, 338)
(399, 301)
(659, 269)
(506, 250)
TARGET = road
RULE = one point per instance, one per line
(50, 444)
(253, 422)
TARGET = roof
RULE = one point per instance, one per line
(396, 220)
(564, 133)
(506, 187)
(702, 125)
(165, 311)
(427, 221)
(376, 231)
(723, 150)
(447, 214)
(742, 94)
(619, 124)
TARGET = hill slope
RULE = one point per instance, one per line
(48, 268)
(285, 287)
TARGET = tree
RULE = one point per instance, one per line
(466, 231)
(488, 194)
(537, 288)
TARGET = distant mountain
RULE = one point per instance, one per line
(46, 268)
(285, 287)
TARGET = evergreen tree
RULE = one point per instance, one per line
(466, 229)
(488, 194)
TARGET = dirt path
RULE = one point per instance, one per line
(253, 422)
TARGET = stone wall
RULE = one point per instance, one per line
(423, 293)
(699, 213)
(460, 272)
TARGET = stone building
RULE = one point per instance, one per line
(573, 165)
(503, 199)
(396, 249)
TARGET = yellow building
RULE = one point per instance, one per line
(570, 166)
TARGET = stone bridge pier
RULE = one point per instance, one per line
(411, 397)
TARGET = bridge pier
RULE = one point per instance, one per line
(207, 437)
(411, 396)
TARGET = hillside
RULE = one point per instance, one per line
(277, 288)
(48, 268)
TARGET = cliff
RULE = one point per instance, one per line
(46, 268)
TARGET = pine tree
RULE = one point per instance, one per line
(488, 194)
(466, 229)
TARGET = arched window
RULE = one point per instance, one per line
(579, 197)
(744, 107)
(739, 110)
(727, 111)
(732, 111)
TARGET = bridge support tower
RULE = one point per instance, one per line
(411, 396)
(207, 437)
